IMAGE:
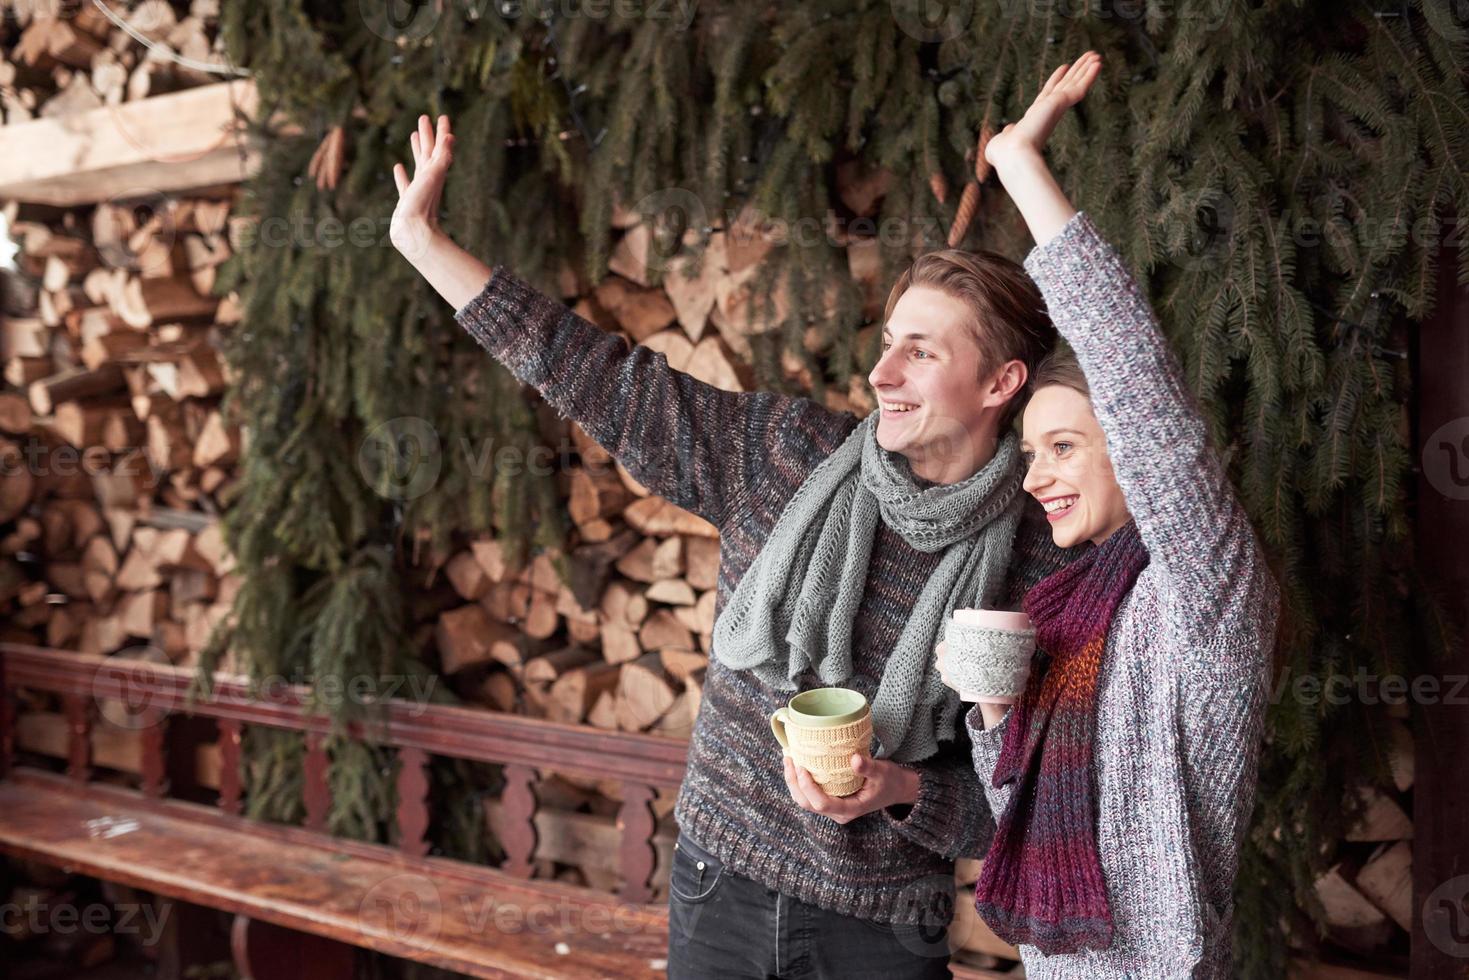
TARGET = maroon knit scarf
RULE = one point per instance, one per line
(1041, 882)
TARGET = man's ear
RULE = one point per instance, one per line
(1007, 382)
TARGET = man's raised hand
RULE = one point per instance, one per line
(416, 218)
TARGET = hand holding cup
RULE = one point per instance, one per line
(821, 730)
(986, 655)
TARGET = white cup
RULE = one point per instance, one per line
(988, 654)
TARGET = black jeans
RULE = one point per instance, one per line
(721, 926)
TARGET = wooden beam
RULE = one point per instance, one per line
(1440, 939)
(177, 142)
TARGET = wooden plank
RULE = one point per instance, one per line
(388, 902)
(464, 733)
(1440, 938)
(177, 142)
(1302, 969)
(584, 840)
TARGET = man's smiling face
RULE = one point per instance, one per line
(938, 404)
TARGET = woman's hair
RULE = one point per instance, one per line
(1059, 367)
(1010, 320)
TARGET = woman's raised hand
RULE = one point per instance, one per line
(1067, 86)
(416, 218)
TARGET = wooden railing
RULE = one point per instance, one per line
(155, 695)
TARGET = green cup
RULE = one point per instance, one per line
(821, 730)
(825, 707)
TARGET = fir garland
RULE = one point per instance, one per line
(1261, 165)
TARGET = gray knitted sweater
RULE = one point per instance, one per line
(1185, 670)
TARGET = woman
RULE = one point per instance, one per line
(1123, 779)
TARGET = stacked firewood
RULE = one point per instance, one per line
(117, 452)
(64, 58)
(621, 639)
(117, 457)
(1367, 894)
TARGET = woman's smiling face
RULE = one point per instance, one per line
(1068, 469)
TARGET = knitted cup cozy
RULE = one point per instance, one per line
(827, 753)
(989, 662)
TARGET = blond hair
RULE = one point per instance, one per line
(1059, 367)
(1010, 321)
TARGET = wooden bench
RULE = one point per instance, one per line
(302, 899)
(482, 921)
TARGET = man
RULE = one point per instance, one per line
(845, 545)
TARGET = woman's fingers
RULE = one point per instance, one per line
(425, 142)
(400, 177)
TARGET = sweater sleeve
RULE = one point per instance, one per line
(950, 816)
(1222, 718)
(986, 752)
(695, 445)
(1197, 533)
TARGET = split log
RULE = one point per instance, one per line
(681, 664)
(1387, 879)
(678, 720)
(624, 605)
(701, 562)
(592, 563)
(657, 517)
(637, 564)
(491, 557)
(644, 693)
(575, 692)
(467, 576)
(603, 714)
(663, 630)
(1352, 921)
(595, 493)
(619, 644)
(673, 591)
(639, 312)
(673, 345)
(1379, 819)
(550, 667)
(74, 384)
(143, 302)
(467, 636)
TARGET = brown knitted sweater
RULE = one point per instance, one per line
(736, 459)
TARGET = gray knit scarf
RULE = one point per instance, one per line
(794, 606)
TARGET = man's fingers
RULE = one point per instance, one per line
(1054, 80)
(815, 796)
(793, 785)
(1080, 78)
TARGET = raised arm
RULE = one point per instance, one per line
(1197, 533)
(694, 444)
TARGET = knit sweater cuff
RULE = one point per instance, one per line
(930, 821)
(986, 743)
(500, 316)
